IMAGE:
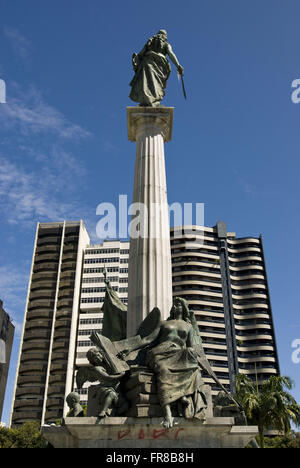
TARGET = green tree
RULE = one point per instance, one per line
(268, 405)
(286, 441)
(27, 436)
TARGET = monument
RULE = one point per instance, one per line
(148, 388)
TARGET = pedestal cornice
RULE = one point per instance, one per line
(159, 119)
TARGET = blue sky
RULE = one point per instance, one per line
(235, 147)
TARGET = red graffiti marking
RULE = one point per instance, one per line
(141, 434)
(177, 433)
(160, 433)
(123, 434)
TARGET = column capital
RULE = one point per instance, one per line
(139, 119)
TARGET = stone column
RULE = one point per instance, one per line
(150, 271)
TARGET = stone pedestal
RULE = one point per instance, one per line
(150, 275)
(139, 433)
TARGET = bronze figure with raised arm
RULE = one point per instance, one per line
(152, 70)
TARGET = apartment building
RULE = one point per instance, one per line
(46, 361)
(225, 283)
(7, 331)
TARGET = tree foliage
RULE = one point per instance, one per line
(268, 405)
(286, 441)
(27, 436)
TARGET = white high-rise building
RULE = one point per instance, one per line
(114, 255)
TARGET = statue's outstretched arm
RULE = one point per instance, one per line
(174, 59)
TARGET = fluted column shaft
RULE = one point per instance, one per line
(150, 273)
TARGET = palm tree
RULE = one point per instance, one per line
(268, 405)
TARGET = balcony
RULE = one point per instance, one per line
(32, 369)
(46, 249)
(37, 335)
(68, 266)
(45, 267)
(39, 314)
(48, 240)
(56, 391)
(49, 277)
(40, 304)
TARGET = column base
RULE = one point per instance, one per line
(140, 433)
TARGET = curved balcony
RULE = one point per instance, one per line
(32, 369)
(249, 277)
(55, 403)
(247, 268)
(63, 324)
(45, 267)
(217, 317)
(70, 248)
(259, 359)
(66, 284)
(28, 404)
(37, 335)
(65, 303)
(41, 241)
(40, 304)
(47, 276)
(250, 296)
(250, 286)
(253, 256)
(47, 285)
(254, 326)
(57, 379)
(21, 417)
(46, 249)
(30, 392)
(263, 370)
(47, 257)
(41, 345)
(39, 314)
(200, 286)
(71, 239)
(63, 314)
(28, 380)
(193, 268)
(196, 277)
(59, 356)
(242, 248)
(58, 368)
(60, 345)
(67, 275)
(50, 230)
(255, 305)
(62, 334)
(69, 257)
(238, 242)
(34, 358)
(213, 334)
(196, 256)
(194, 298)
(261, 344)
(42, 294)
(56, 390)
(210, 323)
(65, 294)
(68, 266)
(53, 415)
